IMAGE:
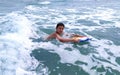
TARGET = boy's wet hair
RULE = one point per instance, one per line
(60, 24)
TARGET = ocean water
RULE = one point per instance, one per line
(24, 24)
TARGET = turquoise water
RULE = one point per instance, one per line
(23, 24)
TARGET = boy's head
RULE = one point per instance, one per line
(60, 28)
(60, 24)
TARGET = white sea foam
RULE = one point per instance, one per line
(72, 10)
(16, 46)
(45, 2)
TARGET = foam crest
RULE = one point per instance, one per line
(45, 2)
(72, 10)
(32, 8)
(16, 46)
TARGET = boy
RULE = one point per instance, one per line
(59, 32)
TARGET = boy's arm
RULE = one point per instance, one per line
(50, 36)
(61, 39)
(77, 35)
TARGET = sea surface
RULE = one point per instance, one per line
(25, 23)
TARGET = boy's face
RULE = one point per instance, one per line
(60, 29)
